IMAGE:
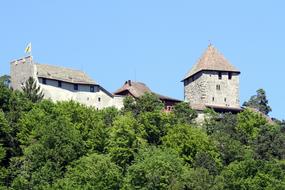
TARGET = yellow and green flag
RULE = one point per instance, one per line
(28, 48)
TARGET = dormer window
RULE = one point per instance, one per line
(220, 75)
(92, 89)
(75, 86)
(230, 75)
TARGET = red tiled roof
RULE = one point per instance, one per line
(138, 89)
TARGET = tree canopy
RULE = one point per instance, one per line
(259, 102)
(66, 145)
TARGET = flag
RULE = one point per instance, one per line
(28, 48)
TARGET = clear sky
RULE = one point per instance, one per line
(153, 41)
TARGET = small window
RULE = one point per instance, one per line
(75, 86)
(225, 99)
(218, 87)
(213, 99)
(220, 75)
(44, 81)
(59, 84)
(99, 99)
(230, 76)
(92, 89)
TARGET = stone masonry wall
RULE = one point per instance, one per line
(20, 71)
(204, 90)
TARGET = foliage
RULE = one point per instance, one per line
(149, 102)
(259, 102)
(155, 125)
(254, 174)
(91, 172)
(125, 140)
(5, 80)
(32, 90)
(189, 142)
(66, 145)
(155, 169)
(249, 123)
(184, 113)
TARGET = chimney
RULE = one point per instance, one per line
(130, 82)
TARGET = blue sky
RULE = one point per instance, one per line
(153, 41)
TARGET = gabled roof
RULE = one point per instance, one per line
(63, 74)
(137, 89)
(211, 60)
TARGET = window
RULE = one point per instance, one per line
(230, 76)
(225, 99)
(59, 84)
(99, 99)
(75, 86)
(218, 87)
(213, 99)
(91, 88)
(44, 81)
(220, 75)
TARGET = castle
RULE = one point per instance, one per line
(211, 83)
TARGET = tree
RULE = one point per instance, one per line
(155, 168)
(148, 102)
(32, 90)
(254, 174)
(5, 80)
(93, 171)
(53, 144)
(189, 141)
(259, 102)
(155, 125)
(197, 179)
(125, 140)
(249, 123)
(184, 113)
(270, 143)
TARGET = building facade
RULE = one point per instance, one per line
(212, 83)
(138, 89)
(62, 84)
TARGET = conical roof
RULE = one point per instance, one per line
(211, 60)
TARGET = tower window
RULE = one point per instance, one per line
(91, 88)
(99, 99)
(59, 84)
(44, 81)
(218, 87)
(230, 76)
(75, 86)
(220, 75)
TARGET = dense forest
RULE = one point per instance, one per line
(65, 145)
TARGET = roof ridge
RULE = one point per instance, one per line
(212, 59)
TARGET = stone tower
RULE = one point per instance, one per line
(212, 82)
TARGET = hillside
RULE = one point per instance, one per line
(46, 145)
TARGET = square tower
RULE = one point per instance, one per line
(212, 82)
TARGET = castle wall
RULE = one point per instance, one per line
(195, 89)
(204, 90)
(97, 100)
(20, 71)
